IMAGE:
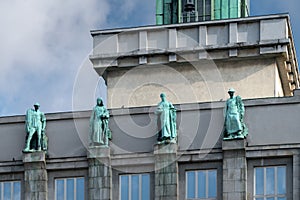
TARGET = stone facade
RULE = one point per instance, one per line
(35, 176)
(166, 172)
(100, 174)
(234, 170)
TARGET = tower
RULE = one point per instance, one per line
(182, 11)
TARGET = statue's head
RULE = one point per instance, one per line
(231, 92)
(163, 96)
(99, 102)
(36, 106)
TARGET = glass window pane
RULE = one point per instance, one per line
(281, 180)
(259, 198)
(281, 198)
(190, 184)
(200, 9)
(270, 182)
(17, 191)
(59, 189)
(7, 191)
(201, 184)
(271, 198)
(135, 187)
(259, 180)
(212, 184)
(145, 187)
(207, 9)
(80, 189)
(124, 188)
(70, 189)
(1, 190)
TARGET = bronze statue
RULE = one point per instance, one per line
(234, 126)
(166, 113)
(36, 139)
(99, 129)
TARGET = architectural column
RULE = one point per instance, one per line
(166, 172)
(234, 170)
(100, 173)
(35, 176)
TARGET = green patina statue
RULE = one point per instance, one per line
(166, 113)
(234, 126)
(36, 139)
(99, 129)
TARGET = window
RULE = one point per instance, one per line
(69, 188)
(134, 187)
(204, 10)
(200, 11)
(201, 184)
(270, 183)
(10, 190)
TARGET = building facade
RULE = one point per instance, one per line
(194, 64)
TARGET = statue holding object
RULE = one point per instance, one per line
(166, 121)
(99, 129)
(234, 126)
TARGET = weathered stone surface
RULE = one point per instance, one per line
(100, 174)
(166, 172)
(34, 157)
(234, 170)
(35, 176)
(99, 152)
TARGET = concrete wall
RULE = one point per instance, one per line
(192, 82)
(218, 33)
(197, 62)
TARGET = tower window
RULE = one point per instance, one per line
(194, 11)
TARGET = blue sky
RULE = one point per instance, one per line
(45, 46)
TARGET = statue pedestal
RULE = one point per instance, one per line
(35, 176)
(234, 170)
(100, 173)
(166, 171)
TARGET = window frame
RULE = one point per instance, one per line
(65, 185)
(206, 172)
(264, 195)
(269, 162)
(11, 188)
(61, 174)
(197, 166)
(16, 177)
(129, 184)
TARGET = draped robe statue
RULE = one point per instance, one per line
(99, 129)
(166, 113)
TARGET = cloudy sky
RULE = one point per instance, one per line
(44, 45)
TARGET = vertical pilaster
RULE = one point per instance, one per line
(166, 172)
(35, 176)
(296, 175)
(100, 174)
(234, 170)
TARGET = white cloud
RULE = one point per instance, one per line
(43, 43)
